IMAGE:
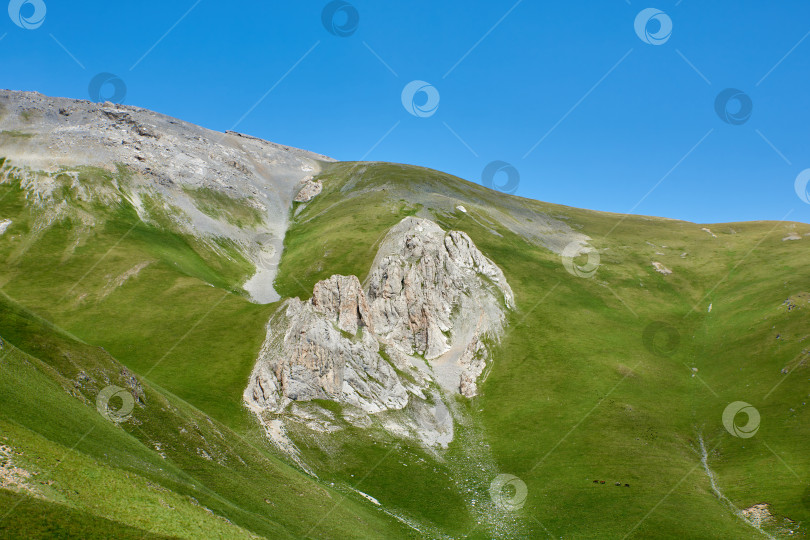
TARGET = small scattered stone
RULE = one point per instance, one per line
(661, 269)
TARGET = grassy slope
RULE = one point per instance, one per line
(155, 321)
(36, 518)
(219, 205)
(573, 395)
(48, 413)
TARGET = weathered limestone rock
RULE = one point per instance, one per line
(430, 298)
(314, 360)
(419, 277)
(342, 298)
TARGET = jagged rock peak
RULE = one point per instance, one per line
(420, 276)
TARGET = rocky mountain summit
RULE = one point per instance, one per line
(397, 345)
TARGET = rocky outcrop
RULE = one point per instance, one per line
(421, 274)
(318, 361)
(309, 191)
(661, 269)
(419, 324)
(342, 299)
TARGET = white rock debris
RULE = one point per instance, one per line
(661, 269)
(413, 336)
(119, 281)
(757, 514)
(12, 477)
(367, 496)
(4, 224)
(309, 191)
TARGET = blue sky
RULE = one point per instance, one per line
(585, 111)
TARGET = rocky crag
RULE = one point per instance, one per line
(394, 351)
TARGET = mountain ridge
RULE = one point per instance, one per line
(607, 369)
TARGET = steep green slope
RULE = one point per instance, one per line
(35, 518)
(166, 468)
(160, 300)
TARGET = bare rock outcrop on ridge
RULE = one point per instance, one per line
(309, 191)
(414, 333)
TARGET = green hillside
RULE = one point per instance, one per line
(586, 384)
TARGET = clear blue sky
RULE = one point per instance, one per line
(614, 115)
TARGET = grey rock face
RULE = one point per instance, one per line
(419, 276)
(430, 299)
(315, 360)
(342, 299)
